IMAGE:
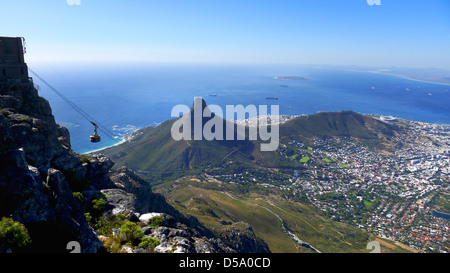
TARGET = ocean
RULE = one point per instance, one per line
(125, 97)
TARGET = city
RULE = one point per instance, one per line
(390, 194)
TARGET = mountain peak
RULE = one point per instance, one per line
(199, 103)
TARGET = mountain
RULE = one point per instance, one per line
(153, 149)
(344, 123)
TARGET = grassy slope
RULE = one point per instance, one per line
(213, 207)
(153, 149)
(345, 123)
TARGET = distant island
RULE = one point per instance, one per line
(292, 78)
(431, 75)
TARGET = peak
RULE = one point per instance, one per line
(199, 103)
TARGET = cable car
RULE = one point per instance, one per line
(95, 137)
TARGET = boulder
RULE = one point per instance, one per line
(120, 200)
(148, 216)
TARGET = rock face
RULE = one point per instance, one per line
(39, 174)
(35, 160)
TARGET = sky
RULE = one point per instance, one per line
(397, 33)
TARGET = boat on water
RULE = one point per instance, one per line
(213, 95)
(388, 118)
(271, 98)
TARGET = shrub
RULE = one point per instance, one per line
(84, 159)
(99, 204)
(131, 233)
(79, 197)
(13, 234)
(156, 221)
(121, 217)
(88, 217)
(148, 242)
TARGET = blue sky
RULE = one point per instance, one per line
(402, 33)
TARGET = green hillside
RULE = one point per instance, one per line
(223, 206)
(344, 123)
(153, 149)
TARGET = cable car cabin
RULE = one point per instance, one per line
(95, 137)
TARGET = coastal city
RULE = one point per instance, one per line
(401, 195)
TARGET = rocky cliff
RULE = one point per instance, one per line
(60, 196)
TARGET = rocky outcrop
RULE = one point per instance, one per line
(31, 126)
(241, 238)
(36, 164)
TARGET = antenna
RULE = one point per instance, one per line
(24, 45)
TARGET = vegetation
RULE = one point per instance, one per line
(156, 221)
(441, 202)
(149, 242)
(116, 231)
(131, 233)
(304, 159)
(95, 208)
(99, 204)
(13, 235)
(218, 210)
(327, 160)
(79, 197)
(368, 204)
(84, 159)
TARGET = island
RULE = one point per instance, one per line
(292, 78)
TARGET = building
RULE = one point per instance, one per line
(12, 63)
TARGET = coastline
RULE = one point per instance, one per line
(101, 149)
(399, 76)
(124, 140)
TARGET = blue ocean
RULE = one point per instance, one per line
(125, 97)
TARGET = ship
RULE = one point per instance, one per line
(388, 118)
(271, 98)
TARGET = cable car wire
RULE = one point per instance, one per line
(76, 107)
